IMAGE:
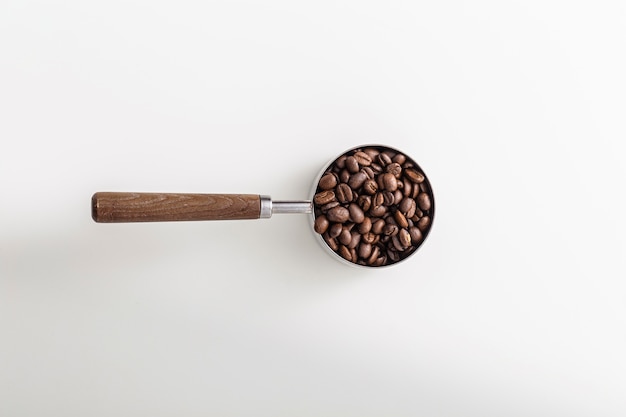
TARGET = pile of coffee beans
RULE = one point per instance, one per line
(373, 206)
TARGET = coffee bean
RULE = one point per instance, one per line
(395, 169)
(363, 159)
(324, 197)
(356, 180)
(404, 237)
(365, 250)
(402, 222)
(413, 175)
(423, 223)
(390, 183)
(328, 181)
(365, 226)
(377, 226)
(370, 187)
(373, 206)
(345, 253)
(416, 234)
(338, 214)
(365, 202)
(335, 230)
(423, 200)
(343, 193)
(356, 214)
(352, 165)
(321, 224)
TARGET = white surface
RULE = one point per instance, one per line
(515, 306)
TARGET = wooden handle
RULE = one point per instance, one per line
(156, 207)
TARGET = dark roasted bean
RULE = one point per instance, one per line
(365, 226)
(399, 159)
(344, 176)
(423, 223)
(345, 237)
(370, 238)
(416, 234)
(345, 253)
(324, 197)
(352, 165)
(343, 193)
(388, 198)
(383, 159)
(365, 250)
(321, 224)
(328, 181)
(356, 214)
(390, 230)
(423, 200)
(390, 183)
(395, 169)
(369, 172)
(413, 175)
(356, 239)
(370, 187)
(331, 242)
(357, 180)
(378, 211)
(363, 159)
(400, 219)
(365, 202)
(330, 205)
(338, 214)
(377, 226)
(335, 230)
(405, 238)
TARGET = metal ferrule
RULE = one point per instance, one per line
(266, 207)
(292, 207)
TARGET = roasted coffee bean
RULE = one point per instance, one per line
(331, 242)
(400, 219)
(383, 159)
(321, 224)
(352, 165)
(357, 180)
(343, 193)
(344, 176)
(370, 187)
(399, 159)
(365, 202)
(328, 206)
(404, 237)
(423, 223)
(377, 226)
(335, 230)
(390, 230)
(365, 250)
(356, 239)
(390, 183)
(345, 253)
(345, 237)
(363, 159)
(378, 211)
(338, 214)
(414, 176)
(395, 169)
(416, 234)
(328, 181)
(423, 200)
(356, 214)
(324, 197)
(365, 226)
(373, 206)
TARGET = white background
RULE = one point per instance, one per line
(515, 306)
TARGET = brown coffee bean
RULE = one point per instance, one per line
(345, 237)
(371, 238)
(331, 242)
(405, 204)
(344, 176)
(416, 235)
(393, 255)
(363, 159)
(395, 241)
(390, 230)
(415, 192)
(423, 200)
(324, 197)
(365, 202)
(407, 187)
(373, 256)
(356, 214)
(389, 181)
(352, 165)
(321, 224)
(404, 237)
(376, 168)
(397, 196)
(345, 253)
(343, 193)
(395, 169)
(399, 159)
(370, 187)
(414, 176)
(383, 159)
(388, 198)
(372, 152)
(338, 214)
(328, 181)
(328, 206)
(423, 223)
(341, 162)
(378, 199)
(356, 239)
(365, 226)
(377, 226)
(369, 172)
(335, 230)
(357, 180)
(378, 211)
(365, 250)
(402, 222)
(382, 260)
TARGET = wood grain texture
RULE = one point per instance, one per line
(108, 207)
